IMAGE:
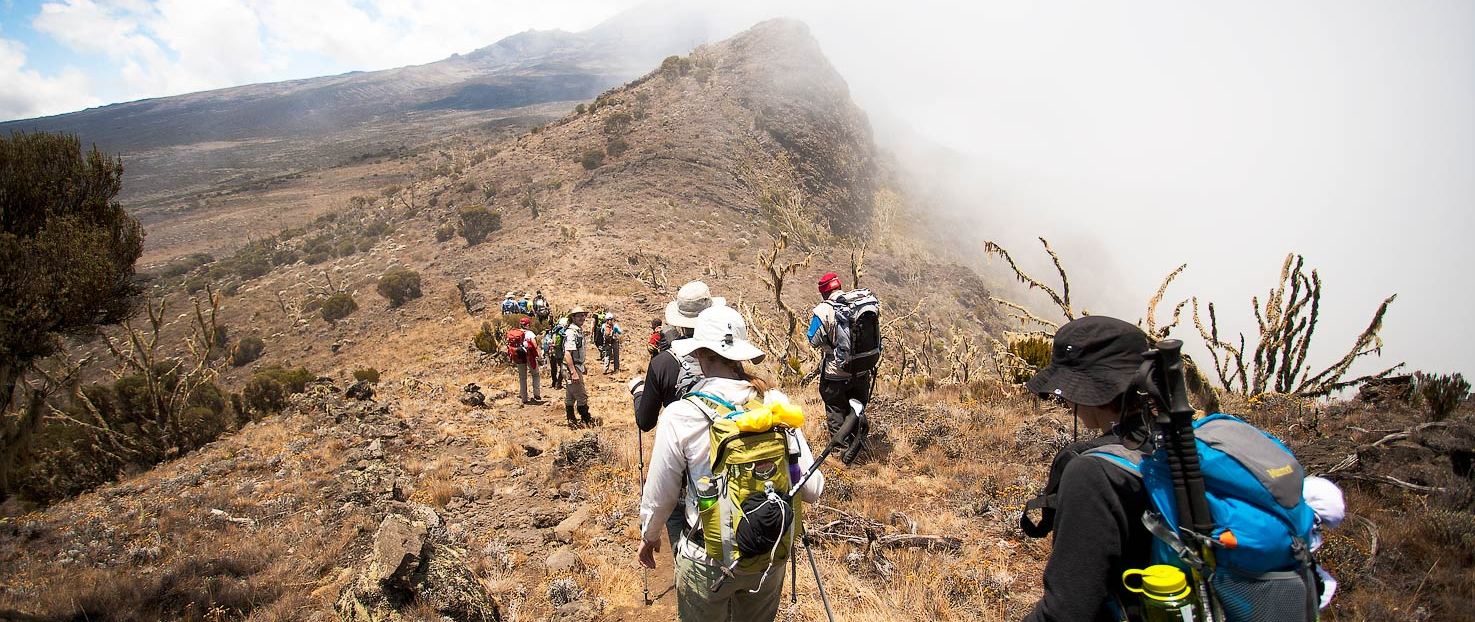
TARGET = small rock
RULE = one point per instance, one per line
(478, 470)
(398, 546)
(564, 560)
(376, 449)
(361, 390)
(565, 529)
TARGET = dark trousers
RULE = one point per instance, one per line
(837, 395)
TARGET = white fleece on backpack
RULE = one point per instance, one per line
(682, 444)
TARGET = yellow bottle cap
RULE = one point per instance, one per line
(1159, 582)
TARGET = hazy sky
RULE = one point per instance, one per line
(1135, 135)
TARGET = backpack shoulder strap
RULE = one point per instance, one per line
(1130, 460)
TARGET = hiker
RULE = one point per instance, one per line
(522, 348)
(509, 306)
(525, 306)
(599, 334)
(669, 377)
(845, 328)
(613, 334)
(655, 345)
(1097, 511)
(576, 396)
(682, 451)
(541, 308)
(555, 353)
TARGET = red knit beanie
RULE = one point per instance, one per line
(829, 283)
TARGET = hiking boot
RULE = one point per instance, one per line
(584, 416)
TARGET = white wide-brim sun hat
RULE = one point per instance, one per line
(722, 330)
(693, 298)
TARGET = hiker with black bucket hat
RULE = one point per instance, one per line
(750, 587)
(1097, 509)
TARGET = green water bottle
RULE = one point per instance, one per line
(1166, 595)
(706, 493)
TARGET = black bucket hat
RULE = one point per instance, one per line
(1093, 362)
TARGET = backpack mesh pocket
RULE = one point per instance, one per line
(1268, 597)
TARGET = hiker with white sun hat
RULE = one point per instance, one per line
(708, 585)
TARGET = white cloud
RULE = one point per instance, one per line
(27, 93)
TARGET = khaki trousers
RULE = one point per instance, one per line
(696, 603)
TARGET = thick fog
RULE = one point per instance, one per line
(1138, 136)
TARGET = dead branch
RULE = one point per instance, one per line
(1393, 481)
(1152, 329)
(1061, 298)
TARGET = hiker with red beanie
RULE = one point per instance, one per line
(845, 327)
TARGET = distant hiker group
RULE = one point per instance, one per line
(537, 306)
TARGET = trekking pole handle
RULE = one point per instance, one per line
(848, 428)
(1169, 376)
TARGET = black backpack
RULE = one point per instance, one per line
(857, 337)
(1047, 501)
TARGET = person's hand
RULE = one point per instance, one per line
(648, 550)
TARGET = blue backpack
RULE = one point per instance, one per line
(1263, 568)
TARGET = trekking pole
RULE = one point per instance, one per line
(1176, 422)
(814, 567)
(794, 567)
(644, 572)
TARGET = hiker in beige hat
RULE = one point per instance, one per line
(576, 396)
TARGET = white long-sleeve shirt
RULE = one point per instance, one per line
(682, 444)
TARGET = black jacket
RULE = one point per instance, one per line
(660, 389)
(1098, 534)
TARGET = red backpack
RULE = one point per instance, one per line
(517, 345)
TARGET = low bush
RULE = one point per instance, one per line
(1442, 393)
(268, 389)
(399, 285)
(247, 350)
(477, 222)
(616, 147)
(338, 306)
(366, 374)
(592, 159)
(487, 340)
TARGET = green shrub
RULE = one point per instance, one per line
(345, 248)
(1034, 350)
(477, 222)
(252, 265)
(675, 66)
(366, 374)
(196, 283)
(264, 394)
(1442, 393)
(247, 350)
(579, 109)
(316, 258)
(399, 285)
(445, 232)
(338, 306)
(617, 123)
(284, 257)
(487, 340)
(592, 159)
(616, 147)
